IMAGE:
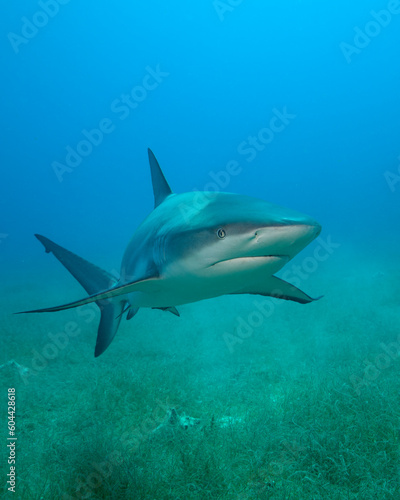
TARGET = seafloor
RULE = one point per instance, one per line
(312, 391)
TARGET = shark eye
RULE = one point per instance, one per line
(221, 233)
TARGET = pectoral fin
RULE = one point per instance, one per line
(276, 287)
(144, 285)
(171, 309)
(132, 312)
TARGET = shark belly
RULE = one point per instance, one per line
(178, 289)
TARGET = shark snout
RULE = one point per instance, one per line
(317, 229)
(285, 239)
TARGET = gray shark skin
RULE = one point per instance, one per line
(192, 246)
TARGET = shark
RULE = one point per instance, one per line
(192, 246)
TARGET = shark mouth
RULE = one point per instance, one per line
(253, 259)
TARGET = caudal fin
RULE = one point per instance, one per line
(93, 279)
(111, 314)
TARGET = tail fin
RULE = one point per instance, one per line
(93, 279)
(111, 315)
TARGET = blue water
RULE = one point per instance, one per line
(295, 102)
(224, 70)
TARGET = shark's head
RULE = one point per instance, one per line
(229, 233)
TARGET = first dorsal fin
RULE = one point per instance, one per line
(161, 187)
